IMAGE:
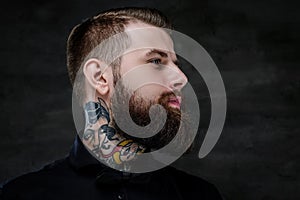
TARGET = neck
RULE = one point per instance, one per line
(102, 139)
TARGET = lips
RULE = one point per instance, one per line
(175, 102)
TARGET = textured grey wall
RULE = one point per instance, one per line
(254, 44)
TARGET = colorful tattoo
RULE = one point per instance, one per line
(103, 141)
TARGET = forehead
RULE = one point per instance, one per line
(145, 36)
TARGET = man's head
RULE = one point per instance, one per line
(144, 51)
(88, 35)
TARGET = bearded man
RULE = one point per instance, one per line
(124, 71)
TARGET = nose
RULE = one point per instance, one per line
(177, 78)
(97, 140)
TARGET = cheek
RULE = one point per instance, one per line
(151, 91)
(88, 143)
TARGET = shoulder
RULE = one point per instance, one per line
(192, 186)
(35, 185)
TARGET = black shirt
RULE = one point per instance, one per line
(81, 176)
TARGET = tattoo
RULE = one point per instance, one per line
(104, 141)
(95, 110)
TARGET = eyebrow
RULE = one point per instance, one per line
(161, 53)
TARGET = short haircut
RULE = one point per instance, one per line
(90, 33)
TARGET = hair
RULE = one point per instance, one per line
(85, 37)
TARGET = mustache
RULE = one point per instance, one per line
(166, 97)
(139, 107)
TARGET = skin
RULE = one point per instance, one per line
(102, 139)
(148, 52)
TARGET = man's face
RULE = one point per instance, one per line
(151, 56)
(149, 68)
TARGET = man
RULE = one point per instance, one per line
(117, 58)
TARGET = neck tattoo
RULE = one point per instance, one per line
(103, 140)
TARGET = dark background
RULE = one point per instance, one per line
(255, 45)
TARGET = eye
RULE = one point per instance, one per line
(156, 61)
(88, 133)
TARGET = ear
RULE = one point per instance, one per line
(93, 70)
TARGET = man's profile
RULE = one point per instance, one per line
(97, 65)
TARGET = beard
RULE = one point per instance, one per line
(139, 112)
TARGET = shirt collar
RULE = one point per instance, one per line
(79, 156)
(83, 162)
